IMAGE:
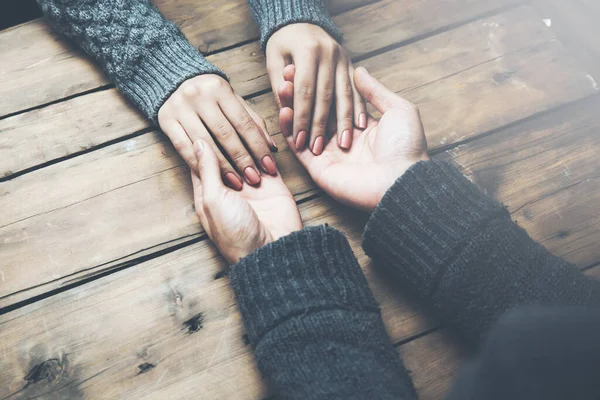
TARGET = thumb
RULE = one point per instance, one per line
(376, 93)
(208, 166)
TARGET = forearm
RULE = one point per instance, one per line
(146, 56)
(462, 254)
(272, 15)
(313, 322)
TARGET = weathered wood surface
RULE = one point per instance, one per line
(576, 24)
(73, 226)
(547, 171)
(37, 66)
(84, 122)
(110, 327)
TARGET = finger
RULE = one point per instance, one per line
(289, 72)
(249, 131)
(344, 105)
(194, 128)
(181, 142)
(198, 201)
(208, 168)
(376, 93)
(259, 122)
(304, 98)
(275, 66)
(286, 94)
(230, 142)
(360, 108)
(286, 121)
(324, 97)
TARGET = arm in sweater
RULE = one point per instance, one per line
(461, 253)
(313, 322)
(272, 15)
(146, 56)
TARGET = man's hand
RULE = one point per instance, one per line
(240, 222)
(323, 80)
(380, 154)
(205, 105)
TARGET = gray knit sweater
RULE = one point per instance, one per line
(146, 56)
(314, 324)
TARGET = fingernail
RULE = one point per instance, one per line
(362, 121)
(274, 146)
(346, 141)
(251, 176)
(199, 148)
(318, 146)
(233, 181)
(364, 69)
(301, 140)
(269, 165)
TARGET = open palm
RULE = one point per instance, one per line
(239, 222)
(379, 155)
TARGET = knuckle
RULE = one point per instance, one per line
(246, 123)
(327, 93)
(305, 91)
(320, 123)
(222, 132)
(189, 89)
(241, 158)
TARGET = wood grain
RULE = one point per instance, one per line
(37, 66)
(107, 329)
(105, 116)
(547, 172)
(70, 226)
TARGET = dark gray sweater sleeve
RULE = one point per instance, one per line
(461, 253)
(272, 15)
(146, 56)
(313, 322)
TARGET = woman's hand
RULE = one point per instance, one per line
(380, 154)
(240, 222)
(323, 79)
(205, 105)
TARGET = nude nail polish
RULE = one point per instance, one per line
(318, 146)
(269, 165)
(362, 121)
(233, 181)
(346, 140)
(252, 176)
(301, 140)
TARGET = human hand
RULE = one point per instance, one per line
(380, 154)
(323, 79)
(239, 222)
(207, 103)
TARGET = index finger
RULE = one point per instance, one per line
(376, 93)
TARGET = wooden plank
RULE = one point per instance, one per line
(38, 66)
(75, 230)
(546, 172)
(108, 329)
(575, 23)
(102, 117)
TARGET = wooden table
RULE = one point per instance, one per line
(109, 287)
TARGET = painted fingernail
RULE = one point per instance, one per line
(301, 140)
(346, 141)
(233, 181)
(269, 165)
(318, 146)
(251, 176)
(362, 121)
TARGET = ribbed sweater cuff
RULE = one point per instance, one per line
(310, 270)
(160, 73)
(423, 220)
(272, 15)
